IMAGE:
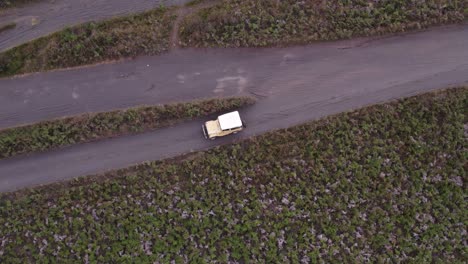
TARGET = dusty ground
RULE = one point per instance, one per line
(294, 85)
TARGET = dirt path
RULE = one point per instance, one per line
(294, 85)
(181, 14)
(38, 19)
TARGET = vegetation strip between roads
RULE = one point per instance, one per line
(95, 126)
(223, 23)
(382, 182)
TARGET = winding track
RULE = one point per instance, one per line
(294, 85)
(38, 19)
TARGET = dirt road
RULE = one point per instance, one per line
(293, 85)
(42, 18)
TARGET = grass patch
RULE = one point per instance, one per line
(6, 27)
(253, 23)
(383, 183)
(146, 33)
(88, 127)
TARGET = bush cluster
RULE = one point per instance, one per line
(254, 23)
(381, 184)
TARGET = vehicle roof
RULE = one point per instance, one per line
(230, 120)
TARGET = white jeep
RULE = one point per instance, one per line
(224, 125)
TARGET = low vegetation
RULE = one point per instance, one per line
(381, 184)
(6, 27)
(146, 33)
(87, 127)
(236, 23)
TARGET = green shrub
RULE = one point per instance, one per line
(236, 23)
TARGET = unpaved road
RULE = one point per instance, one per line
(294, 85)
(42, 18)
